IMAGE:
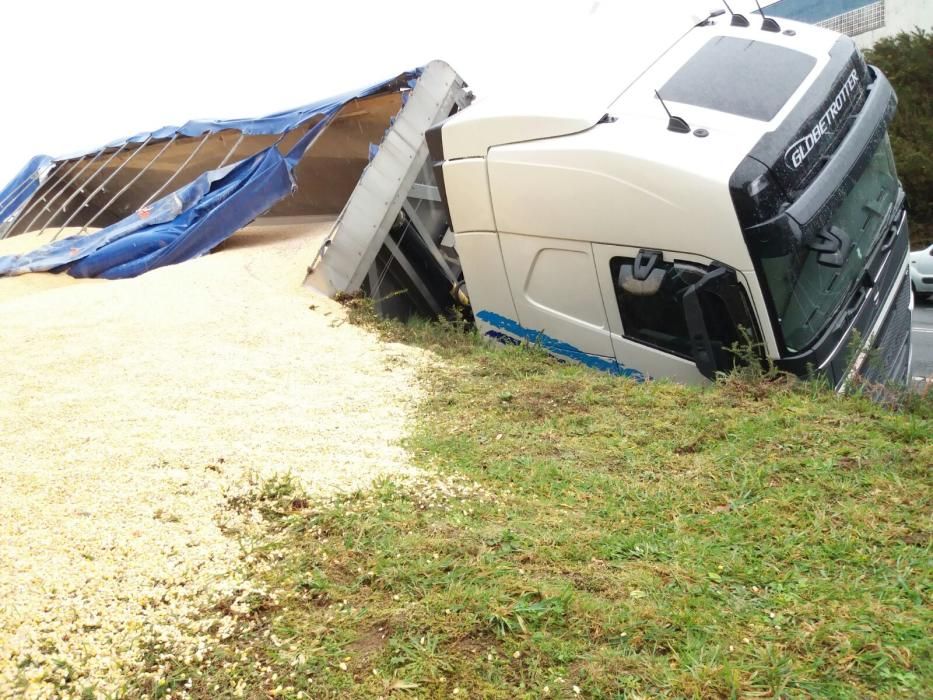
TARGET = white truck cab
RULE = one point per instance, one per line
(735, 183)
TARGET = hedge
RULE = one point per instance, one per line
(907, 60)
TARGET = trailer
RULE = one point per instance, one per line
(731, 185)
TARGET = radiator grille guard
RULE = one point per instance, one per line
(888, 360)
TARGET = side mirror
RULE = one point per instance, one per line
(723, 283)
(700, 341)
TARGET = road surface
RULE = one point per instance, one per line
(922, 340)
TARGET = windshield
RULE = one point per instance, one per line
(807, 287)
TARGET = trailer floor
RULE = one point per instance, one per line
(131, 407)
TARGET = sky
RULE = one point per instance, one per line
(80, 74)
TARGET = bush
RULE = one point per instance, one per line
(907, 60)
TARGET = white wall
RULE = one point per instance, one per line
(900, 16)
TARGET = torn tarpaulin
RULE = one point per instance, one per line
(178, 227)
(199, 216)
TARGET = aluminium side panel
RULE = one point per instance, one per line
(361, 230)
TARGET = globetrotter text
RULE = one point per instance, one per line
(799, 150)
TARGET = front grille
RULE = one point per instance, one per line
(890, 354)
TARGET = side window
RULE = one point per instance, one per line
(651, 301)
(650, 294)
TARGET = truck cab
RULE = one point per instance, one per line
(734, 186)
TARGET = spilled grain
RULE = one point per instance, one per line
(129, 408)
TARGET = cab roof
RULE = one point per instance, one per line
(569, 88)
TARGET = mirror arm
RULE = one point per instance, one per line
(700, 341)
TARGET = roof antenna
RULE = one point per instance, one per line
(768, 24)
(675, 124)
(737, 20)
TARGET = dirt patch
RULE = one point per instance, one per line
(370, 643)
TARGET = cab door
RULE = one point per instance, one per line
(643, 298)
(558, 298)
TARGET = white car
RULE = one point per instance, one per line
(921, 272)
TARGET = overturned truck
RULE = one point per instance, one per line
(733, 184)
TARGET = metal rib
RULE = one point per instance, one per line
(15, 193)
(98, 189)
(36, 198)
(230, 152)
(178, 170)
(126, 186)
(73, 179)
(79, 189)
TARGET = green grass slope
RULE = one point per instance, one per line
(592, 537)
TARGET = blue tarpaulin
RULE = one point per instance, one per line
(27, 181)
(271, 124)
(178, 227)
(196, 218)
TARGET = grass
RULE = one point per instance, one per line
(587, 536)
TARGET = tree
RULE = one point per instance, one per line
(907, 60)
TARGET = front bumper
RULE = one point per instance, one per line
(885, 357)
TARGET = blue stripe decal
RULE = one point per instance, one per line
(513, 332)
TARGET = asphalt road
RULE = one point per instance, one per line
(922, 339)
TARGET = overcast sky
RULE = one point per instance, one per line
(80, 74)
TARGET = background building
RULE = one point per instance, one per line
(865, 20)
